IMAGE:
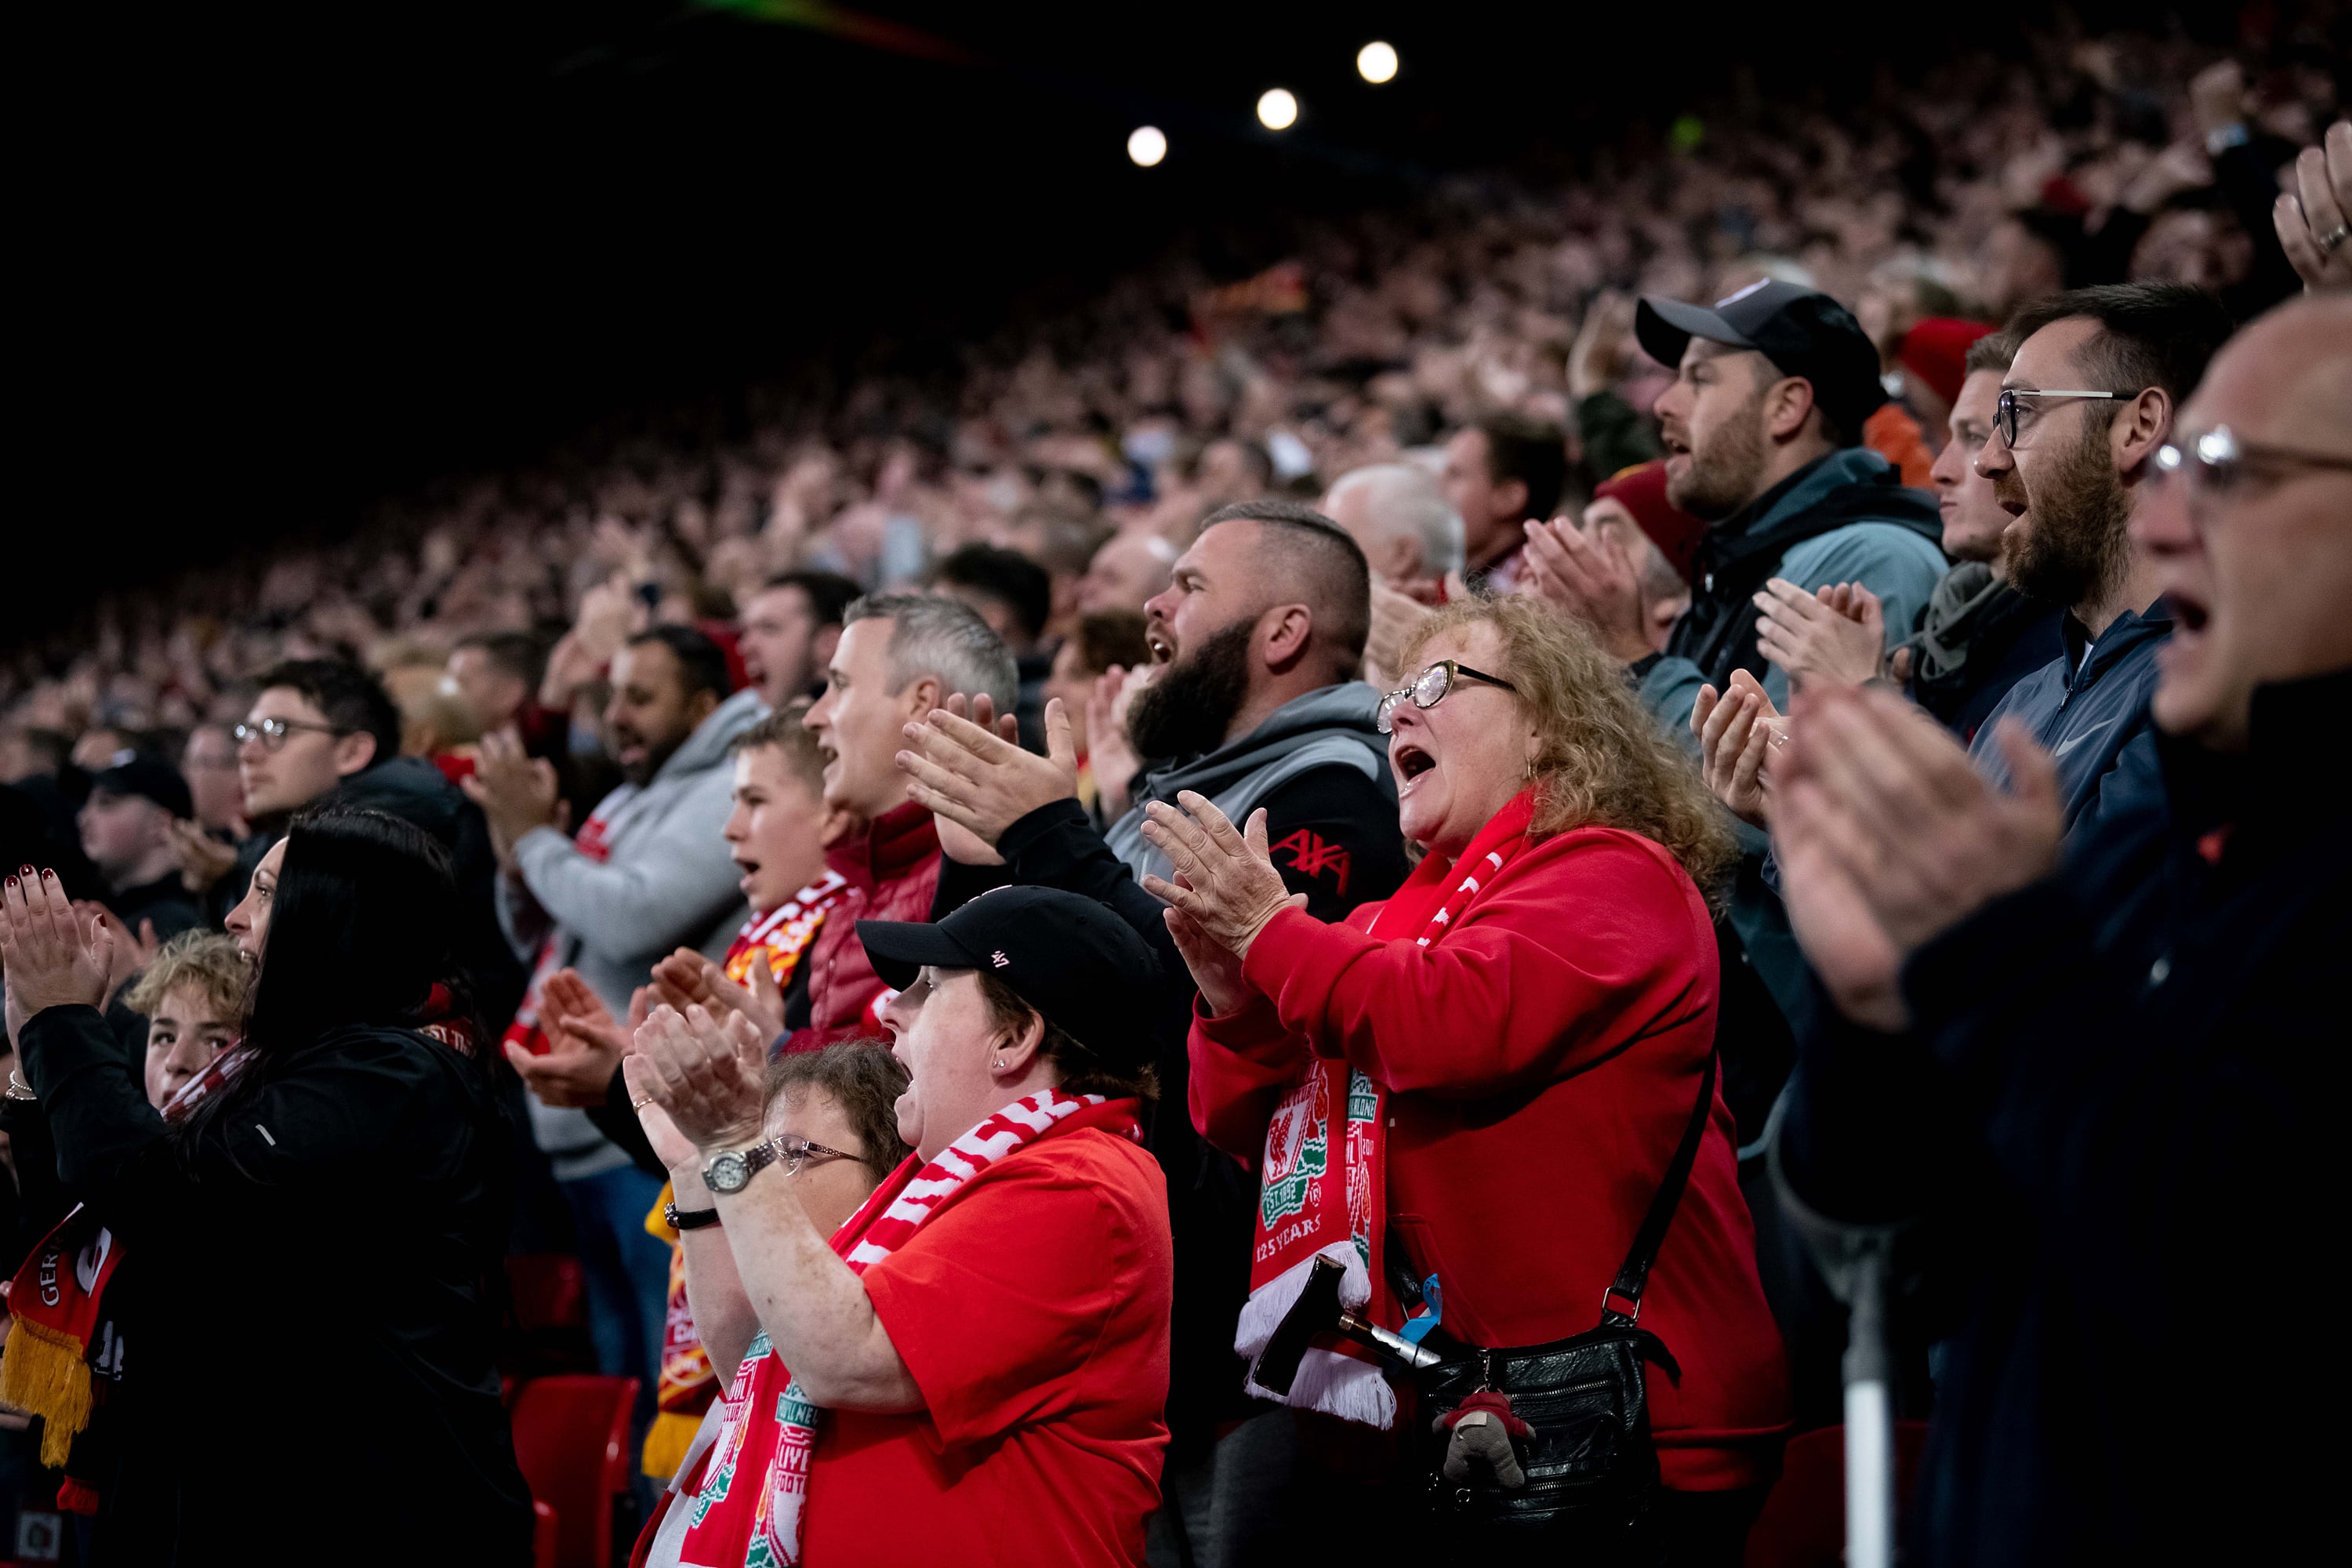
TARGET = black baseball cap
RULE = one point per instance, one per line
(1801, 331)
(145, 774)
(1064, 954)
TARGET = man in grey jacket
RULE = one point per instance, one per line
(646, 874)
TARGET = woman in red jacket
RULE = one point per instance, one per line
(1520, 1038)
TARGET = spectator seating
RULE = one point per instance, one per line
(572, 1438)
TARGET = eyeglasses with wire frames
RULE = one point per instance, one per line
(273, 733)
(792, 1152)
(2004, 413)
(1428, 689)
(2217, 462)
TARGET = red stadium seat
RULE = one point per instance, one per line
(1803, 1521)
(572, 1438)
(543, 1536)
(548, 1290)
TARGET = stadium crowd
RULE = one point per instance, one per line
(1342, 899)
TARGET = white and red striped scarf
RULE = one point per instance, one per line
(1315, 1202)
(753, 1482)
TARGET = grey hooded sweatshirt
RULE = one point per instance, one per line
(668, 881)
(1330, 727)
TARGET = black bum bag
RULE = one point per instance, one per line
(1592, 1468)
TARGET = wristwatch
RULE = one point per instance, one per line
(731, 1170)
(687, 1219)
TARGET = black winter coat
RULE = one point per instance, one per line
(318, 1316)
(2121, 1109)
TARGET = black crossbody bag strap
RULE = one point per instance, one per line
(1622, 1302)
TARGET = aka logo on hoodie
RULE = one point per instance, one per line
(1311, 855)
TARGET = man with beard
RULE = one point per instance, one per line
(646, 873)
(2087, 404)
(1258, 637)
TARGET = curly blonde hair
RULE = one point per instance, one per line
(1603, 761)
(204, 959)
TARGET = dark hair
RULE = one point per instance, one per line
(1077, 1067)
(1007, 576)
(2150, 334)
(353, 700)
(828, 594)
(518, 654)
(1111, 637)
(1321, 557)
(785, 730)
(865, 1080)
(1991, 351)
(701, 665)
(1529, 450)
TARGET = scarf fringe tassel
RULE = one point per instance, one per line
(46, 1371)
(1333, 1382)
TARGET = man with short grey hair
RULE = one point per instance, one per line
(1400, 519)
(900, 657)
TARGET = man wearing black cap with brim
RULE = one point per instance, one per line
(974, 1366)
(126, 831)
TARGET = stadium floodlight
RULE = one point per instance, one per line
(1146, 144)
(1376, 62)
(1278, 110)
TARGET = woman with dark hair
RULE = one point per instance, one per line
(318, 1231)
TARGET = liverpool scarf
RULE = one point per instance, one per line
(747, 1500)
(687, 1384)
(1323, 1180)
(590, 841)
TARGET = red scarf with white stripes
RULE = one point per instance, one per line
(1316, 1201)
(591, 842)
(753, 1485)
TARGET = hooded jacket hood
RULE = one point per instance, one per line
(1331, 726)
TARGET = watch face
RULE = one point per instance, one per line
(727, 1173)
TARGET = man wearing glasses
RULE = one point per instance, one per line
(322, 729)
(2135, 1053)
(2086, 404)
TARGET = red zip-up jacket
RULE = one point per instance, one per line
(1541, 1060)
(893, 867)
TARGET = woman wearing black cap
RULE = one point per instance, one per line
(974, 1367)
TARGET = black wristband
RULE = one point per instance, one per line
(688, 1219)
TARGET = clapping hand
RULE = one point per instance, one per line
(1225, 883)
(1737, 735)
(1887, 838)
(2312, 219)
(515, 792)
(1590, 574)
(1110, 755)
(585, 1045)
(687, 979)
(203, 859)
(975, 777)
(1836, 635)
(52, 956)
(709, 1074)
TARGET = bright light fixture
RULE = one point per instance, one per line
(1276, 110)
(1377, 62)
(1146, 144)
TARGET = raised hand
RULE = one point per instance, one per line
(2312, 218)
(585, 1045)
(1224, 881)
(1736, 734)
(1590, 575)
(1833, 637)
(53, 957)
(707, 1073)
(515, 792)
(203, 859)
(978, 779)
(1216, 970)
(1110, 754)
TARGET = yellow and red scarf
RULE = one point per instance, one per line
(688, 1383)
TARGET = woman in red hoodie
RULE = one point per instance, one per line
(1520, 1038)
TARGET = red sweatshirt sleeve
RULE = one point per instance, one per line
(1582, 943)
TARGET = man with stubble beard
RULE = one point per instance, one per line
(2085, 406)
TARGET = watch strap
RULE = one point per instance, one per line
(687, 1219)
